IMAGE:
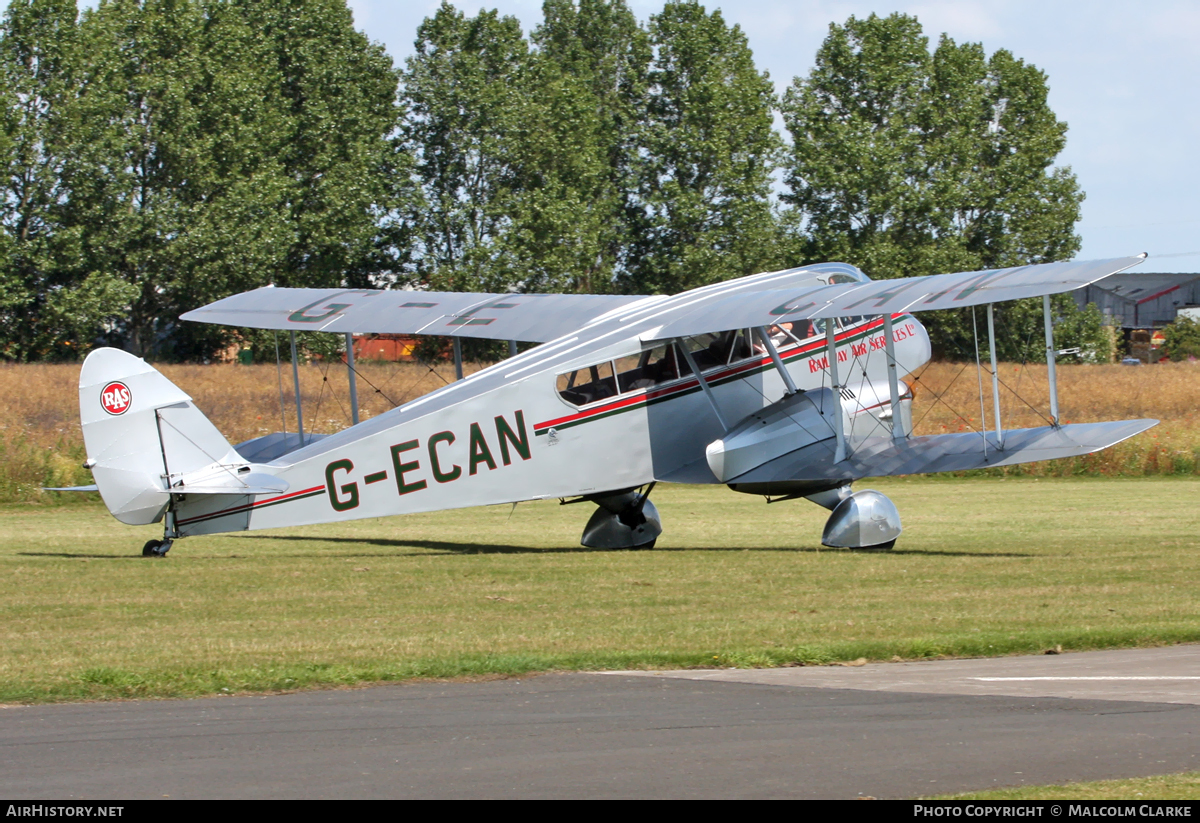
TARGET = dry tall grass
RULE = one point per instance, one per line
(41, 444)
(948, 399)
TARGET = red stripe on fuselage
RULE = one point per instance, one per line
(283, 498)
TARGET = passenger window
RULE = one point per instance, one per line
(740, 347)
(718, 349)
(629, 373)
(657, 366)
(588, 384)
(804, 329)
(790, 333)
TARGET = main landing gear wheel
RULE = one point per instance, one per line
(878, 547)
(622, 520)
(642, 547)
(156, 548)
(865, 520)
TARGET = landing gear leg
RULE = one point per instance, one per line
(159, 548)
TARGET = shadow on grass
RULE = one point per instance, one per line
(72, 556)
(447, 547)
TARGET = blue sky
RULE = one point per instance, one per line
(1124, 76)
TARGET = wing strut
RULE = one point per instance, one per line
(832, 356)
(991, 314)
(770, 344)
(1050, 354)
(889, 348)
(296, 380)
(979, 380)
(351, 376)
(708, 392)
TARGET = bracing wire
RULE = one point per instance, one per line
(367, 380)
(939, 397)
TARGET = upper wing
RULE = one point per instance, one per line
(826, 290)
(527, 317)
(764, 307)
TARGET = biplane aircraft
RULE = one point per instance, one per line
(786, 384)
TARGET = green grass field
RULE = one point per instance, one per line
(985, 567)
(1161, 787)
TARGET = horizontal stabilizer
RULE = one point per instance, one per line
(884, 457)
(91, 488)
(274, 446)
(230, 483)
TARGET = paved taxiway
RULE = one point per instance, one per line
(886, 730)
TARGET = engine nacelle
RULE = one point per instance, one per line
(801, 419)
(796, 421)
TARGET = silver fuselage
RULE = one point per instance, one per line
(506, 434)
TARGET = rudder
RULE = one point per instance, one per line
(141, 432)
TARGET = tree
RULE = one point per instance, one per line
(707, 153)
(167, 190)
(220, 145)
(563, 214)
(601, 55)
(906, 162)
(338, 94)
(462, 96)
(1182, 339)
(46, 302)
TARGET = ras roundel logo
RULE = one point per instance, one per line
(115, 398)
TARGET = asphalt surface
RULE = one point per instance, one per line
(881, 730)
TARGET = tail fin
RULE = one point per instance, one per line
(142, 434)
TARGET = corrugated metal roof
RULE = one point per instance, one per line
(1136, 287)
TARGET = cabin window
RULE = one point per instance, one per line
(665, 363)
(588, 384)
(717, 349)
(842, 278)
(706, 352)
(633, 373)
(657, 365)
(646, 369)
(740, 347)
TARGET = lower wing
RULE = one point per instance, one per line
(884, 457)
